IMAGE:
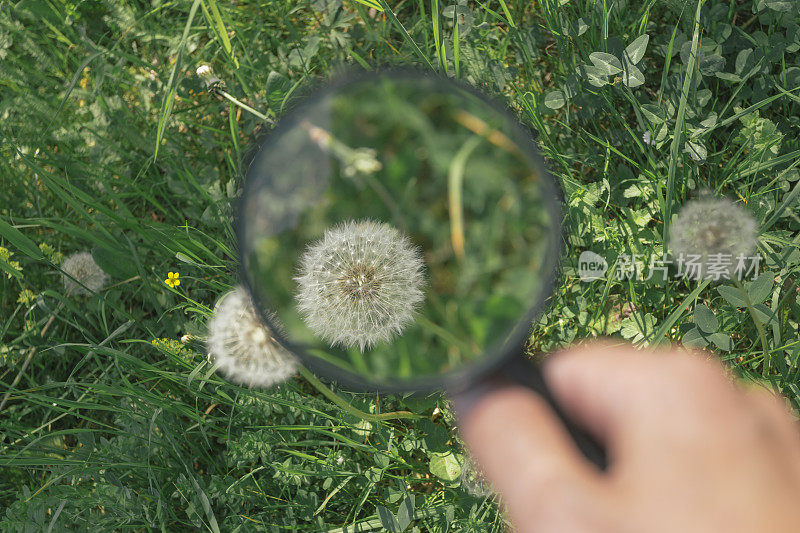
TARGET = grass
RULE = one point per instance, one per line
(110, 143)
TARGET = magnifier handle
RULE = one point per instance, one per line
(527, 373)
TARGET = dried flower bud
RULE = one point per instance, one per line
(205, 73)
(361, 161)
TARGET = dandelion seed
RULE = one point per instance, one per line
(243, 347)
(83, 275)
(172, 279)
(710, 229)
(360, 284)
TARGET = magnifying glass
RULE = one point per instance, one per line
(400, 233)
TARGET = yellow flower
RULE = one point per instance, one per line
(172, 279)
(26, 297)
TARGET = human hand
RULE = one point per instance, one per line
(688, 449)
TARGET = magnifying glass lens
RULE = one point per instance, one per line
(396, 228)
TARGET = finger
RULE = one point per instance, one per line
(775, 415)
(618, 392)
(529, 458)
(775, 428)
(591, 383)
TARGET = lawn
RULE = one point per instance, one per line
(113, 417)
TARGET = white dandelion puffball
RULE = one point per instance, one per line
(360, 284)
(714, 229)
(83, 269)
(243, 347)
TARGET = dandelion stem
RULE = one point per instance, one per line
(342, 403)
(760, 327)
(244, 106)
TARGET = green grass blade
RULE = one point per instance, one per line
(788, 200)
(19, 240)
(214, 19)
(666, 325)
(456, 45)
(507, 13)
(437, 38)
(372, 3)
(172, 84)
(405, 34)
(677, 134)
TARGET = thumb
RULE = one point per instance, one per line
(529, 458)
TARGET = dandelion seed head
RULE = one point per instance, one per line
(360, 284)
(88, 276)
(243, 347)
(712, 226)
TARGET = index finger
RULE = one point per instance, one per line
(528, 456)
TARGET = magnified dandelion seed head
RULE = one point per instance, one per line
(709, 227)
(88, 276)
(360, 284)
(244, 348)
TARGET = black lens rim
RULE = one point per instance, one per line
(453, 381)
